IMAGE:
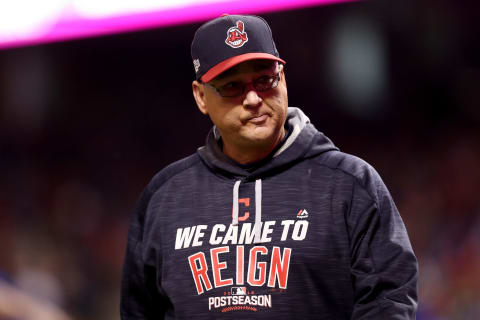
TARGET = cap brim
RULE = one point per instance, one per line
(233, 61)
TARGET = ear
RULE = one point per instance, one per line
(199, 95)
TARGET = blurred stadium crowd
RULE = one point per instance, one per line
(85, 124)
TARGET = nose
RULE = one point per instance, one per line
(252, 99)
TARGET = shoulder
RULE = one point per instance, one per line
(172, 170)
(348, 164)
(354, 169)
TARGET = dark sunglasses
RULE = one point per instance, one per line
(237, 88)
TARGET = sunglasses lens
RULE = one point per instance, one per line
(263, 83)
(235, 89)
(232, 89)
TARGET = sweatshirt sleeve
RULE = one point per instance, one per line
(384, 269)
(140, 296)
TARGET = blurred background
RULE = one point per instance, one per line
(85, 124)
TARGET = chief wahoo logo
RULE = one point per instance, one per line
(236, 36)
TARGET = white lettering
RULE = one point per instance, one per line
(267, 229)
(253, 300)
(199, 234)
(247, 234)
(300, 230)
(286, 225)
(214, 240)
(184, 237)
(265, 301)
(232, 235)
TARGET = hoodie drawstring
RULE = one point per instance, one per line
(236, 186)
(258, 208)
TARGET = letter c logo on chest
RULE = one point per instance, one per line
(246, 203)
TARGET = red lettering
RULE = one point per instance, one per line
(254, 265)
(279, 267)
(257, 273)
(199, 273)
(240, 258)
(217, 266)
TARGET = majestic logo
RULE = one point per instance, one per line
(302, 214)
(236, 36)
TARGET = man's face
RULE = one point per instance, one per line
(253, 119)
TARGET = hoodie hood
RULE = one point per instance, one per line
(303, 142)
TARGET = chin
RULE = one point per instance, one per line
(261, 135)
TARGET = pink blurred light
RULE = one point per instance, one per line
(75, 28)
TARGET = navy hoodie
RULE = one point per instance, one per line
(308, 233)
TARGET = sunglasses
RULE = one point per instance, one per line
(237, 88)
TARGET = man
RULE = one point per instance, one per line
(269, 220)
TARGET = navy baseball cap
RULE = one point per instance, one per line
(222, 43)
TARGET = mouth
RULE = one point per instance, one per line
(258, 119)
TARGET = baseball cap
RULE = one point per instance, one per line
(224, 42)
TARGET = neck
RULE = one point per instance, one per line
(251, 153)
